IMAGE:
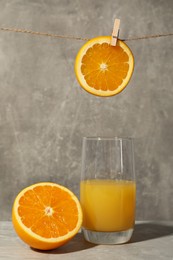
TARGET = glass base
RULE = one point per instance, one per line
(107, 238)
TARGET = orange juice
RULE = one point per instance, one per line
(108, 205)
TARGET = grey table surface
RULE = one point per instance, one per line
(151, 240)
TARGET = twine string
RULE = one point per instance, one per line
(70, 37)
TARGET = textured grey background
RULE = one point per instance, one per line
(44, 113)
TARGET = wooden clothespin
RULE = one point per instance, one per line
(115, 32)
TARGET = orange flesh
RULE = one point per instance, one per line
(104, 66)
(48, 211)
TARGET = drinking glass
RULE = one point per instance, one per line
(108, 190)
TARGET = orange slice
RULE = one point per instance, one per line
(46, 215)
(102, 69)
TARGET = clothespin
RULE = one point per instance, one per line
(115, 32)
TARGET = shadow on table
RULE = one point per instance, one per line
(147, 231)
(78, 243)
(142, 232)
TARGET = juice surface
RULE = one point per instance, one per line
(108, 205)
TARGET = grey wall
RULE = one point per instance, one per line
(44, 113)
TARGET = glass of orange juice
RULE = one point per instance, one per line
(108, 190)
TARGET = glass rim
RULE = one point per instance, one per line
(101, 138)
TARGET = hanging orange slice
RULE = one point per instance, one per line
(102, 69)
(46, 215)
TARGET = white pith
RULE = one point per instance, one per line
(103, 66)
(48, 211)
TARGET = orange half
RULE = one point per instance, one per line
(46, 215)
(102, 69)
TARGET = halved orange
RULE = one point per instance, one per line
(46, 215)
(102, 69)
